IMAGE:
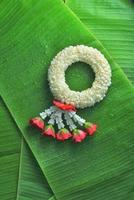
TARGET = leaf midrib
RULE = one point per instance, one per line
(19, 170)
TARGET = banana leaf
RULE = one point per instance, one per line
(99, 168)
(20, 175)
(112, 22)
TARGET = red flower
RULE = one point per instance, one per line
(90, 128)
(63, 134)
(79, 135)
(63, 106)
(49, 130)
(37, 122)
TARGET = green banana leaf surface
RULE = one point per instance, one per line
(33, 32)
(21, 177)
(112, 22)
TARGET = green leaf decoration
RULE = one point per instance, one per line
(112, 22)
(20, 175)
(100, 167)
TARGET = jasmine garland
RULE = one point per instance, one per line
(72, 54)
(63, 112)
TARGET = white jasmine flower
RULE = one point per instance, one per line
(72, 54)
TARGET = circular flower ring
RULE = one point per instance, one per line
(85, 98)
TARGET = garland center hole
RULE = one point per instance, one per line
(79, 76)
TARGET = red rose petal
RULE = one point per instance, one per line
(63, 106)
(49, 131)
(37, 122)
(91, 130)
